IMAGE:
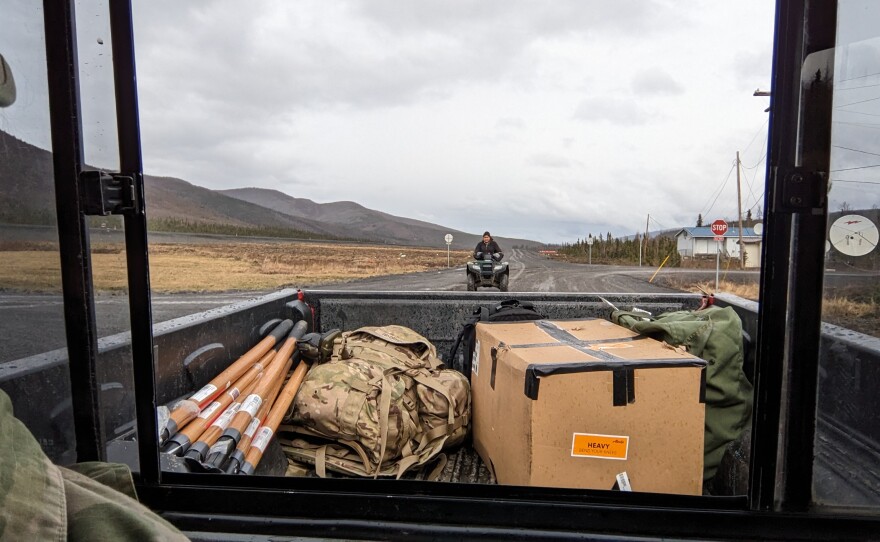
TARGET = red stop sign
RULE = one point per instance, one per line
(719, 227)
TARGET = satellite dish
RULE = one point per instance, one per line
(758, 228)
(853, 235)
(7, 84)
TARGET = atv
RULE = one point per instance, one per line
(487, 270)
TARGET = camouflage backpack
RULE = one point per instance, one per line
(382, 405)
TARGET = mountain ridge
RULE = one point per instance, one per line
(374, 224)
(26, 170)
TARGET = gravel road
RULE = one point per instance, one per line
(529, 272)
(34, 323)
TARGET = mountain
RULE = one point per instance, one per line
(170, 198)
(375, 225)
(27, 193)
(27, 197)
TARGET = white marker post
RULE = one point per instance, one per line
(590, 244)
(448, 240)
(719, 228)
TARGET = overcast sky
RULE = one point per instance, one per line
(545, 120)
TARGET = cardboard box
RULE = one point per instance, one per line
(575, 403)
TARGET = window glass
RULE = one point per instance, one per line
(848, 440)
(356, 145)
(33, 349)
(317, 144)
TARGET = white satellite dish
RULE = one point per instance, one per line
(853, 235)
(758, 228)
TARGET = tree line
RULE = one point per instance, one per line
(610, 250)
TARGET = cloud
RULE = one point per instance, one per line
(655, 82)
(546, 160)
(611, 109)
(386, 102)
(751, 69)
(510, 123)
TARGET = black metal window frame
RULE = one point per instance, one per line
(375, 508)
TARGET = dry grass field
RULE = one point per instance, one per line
(224, 267)
(856, 310)
(175, 267)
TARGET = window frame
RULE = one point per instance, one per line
(778, 503)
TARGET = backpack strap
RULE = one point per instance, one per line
(468, 328)
(384, 414)
(395, 351)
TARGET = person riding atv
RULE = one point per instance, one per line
(487, 269)
(487, 246)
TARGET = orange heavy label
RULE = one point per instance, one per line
(599, 446)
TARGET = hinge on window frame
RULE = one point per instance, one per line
(107, 193)
(804, 191)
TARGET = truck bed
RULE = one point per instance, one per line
(192, 349)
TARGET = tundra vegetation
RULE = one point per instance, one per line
(33, 266)
(218, 267)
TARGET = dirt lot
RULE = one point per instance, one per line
(175, 267)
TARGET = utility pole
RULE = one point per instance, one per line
(739, 204)
(648, 221)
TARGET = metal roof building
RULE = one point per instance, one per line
(700, 242)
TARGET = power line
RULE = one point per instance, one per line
(652, 219)
(706, 212)
(837, 89)
(852, 168)
(858, 77)
(761, 161)
(854, 150)
(861, 124)
(857, 182)
(755, 167)
(755, 176)
(757, 201)
(761, 129)
(859, 102)
(861, 113)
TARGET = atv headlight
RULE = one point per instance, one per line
(475, 266)
(499, 267)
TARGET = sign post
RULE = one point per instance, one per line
(448, 240)
(590, 244)
(719, 228)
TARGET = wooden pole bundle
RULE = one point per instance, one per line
(273, 420)
(185, 411)
(226, 444)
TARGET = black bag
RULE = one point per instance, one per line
(511, 310)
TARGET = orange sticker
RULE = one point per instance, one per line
(599, 446)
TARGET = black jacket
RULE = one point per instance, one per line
(491, 247)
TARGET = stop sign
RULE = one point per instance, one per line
(719, 227)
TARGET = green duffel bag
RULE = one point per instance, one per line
(714, 334)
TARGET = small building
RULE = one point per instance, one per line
(700, 243)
